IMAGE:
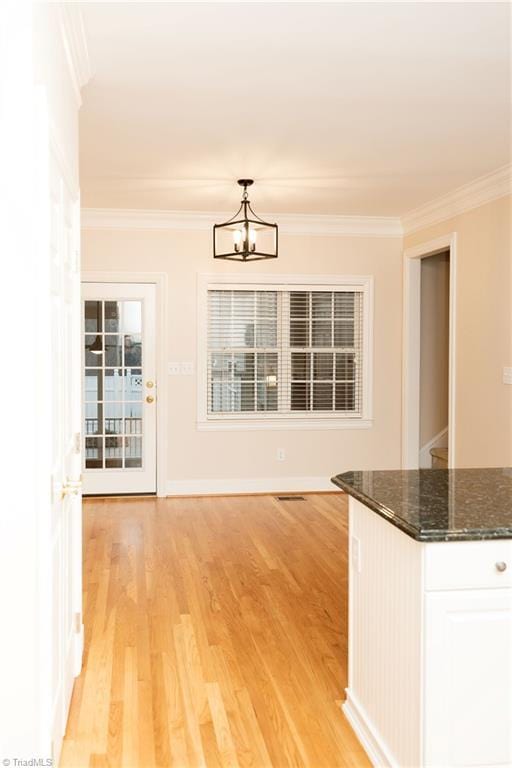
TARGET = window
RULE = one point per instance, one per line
(281, 352)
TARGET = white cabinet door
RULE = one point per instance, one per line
(119, 388)
(468, 679)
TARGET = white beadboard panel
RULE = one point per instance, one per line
(385, 603)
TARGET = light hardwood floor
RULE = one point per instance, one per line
(216, 635)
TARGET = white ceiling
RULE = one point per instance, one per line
(334, 108)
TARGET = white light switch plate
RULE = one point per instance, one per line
(181, 369)
(507, 375)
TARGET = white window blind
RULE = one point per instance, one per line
(285, 353)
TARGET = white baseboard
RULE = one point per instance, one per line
(367, 734)
(248, 485)
(438, 441)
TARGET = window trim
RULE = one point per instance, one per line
(232, 281)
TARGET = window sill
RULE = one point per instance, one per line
(238, 425)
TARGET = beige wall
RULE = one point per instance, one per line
(195, 455)
(483, 421)
(435, 329)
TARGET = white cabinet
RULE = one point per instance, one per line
(468, 681)
(430, 648)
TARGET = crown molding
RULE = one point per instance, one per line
(74, 41)
(290, 224)
(472, 195)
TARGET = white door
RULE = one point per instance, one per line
(65, 528)
(468, 678)
(119, 388)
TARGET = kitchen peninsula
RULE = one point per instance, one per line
(430, 616)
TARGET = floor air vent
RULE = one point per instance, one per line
(290, 498)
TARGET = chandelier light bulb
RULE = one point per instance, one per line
(237, 239)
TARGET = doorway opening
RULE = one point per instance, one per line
(434, 360)
(428, 418)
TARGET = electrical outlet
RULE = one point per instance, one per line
(187, 369)
(174, 369)
(281, 454)
(507, 375)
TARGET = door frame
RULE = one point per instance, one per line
(411, 355)
(159, 280)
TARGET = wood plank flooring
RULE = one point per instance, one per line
(216, 635)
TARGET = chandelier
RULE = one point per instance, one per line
(245, 237)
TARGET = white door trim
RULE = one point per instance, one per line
(411, 348)
(159, 279)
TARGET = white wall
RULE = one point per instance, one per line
(249, 459)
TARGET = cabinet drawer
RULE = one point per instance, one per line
(468, 564)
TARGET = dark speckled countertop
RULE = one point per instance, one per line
(438, 504)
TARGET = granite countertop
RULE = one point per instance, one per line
(438, 504)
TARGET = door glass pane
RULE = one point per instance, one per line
(93, 385)
(93, 418)
(133, 452)
(113, 351)
(113, 452)
(133, 384)
(113, 418)
(94, 452)
(133, 418)
(112, 316)
(132, 349)
(114, 386)
(93, 351)
(93, 317)
(132, 317)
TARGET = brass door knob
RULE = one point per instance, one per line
(71, 488)
(150, 399)
(150, 384)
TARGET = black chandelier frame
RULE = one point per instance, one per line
(245, 216)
